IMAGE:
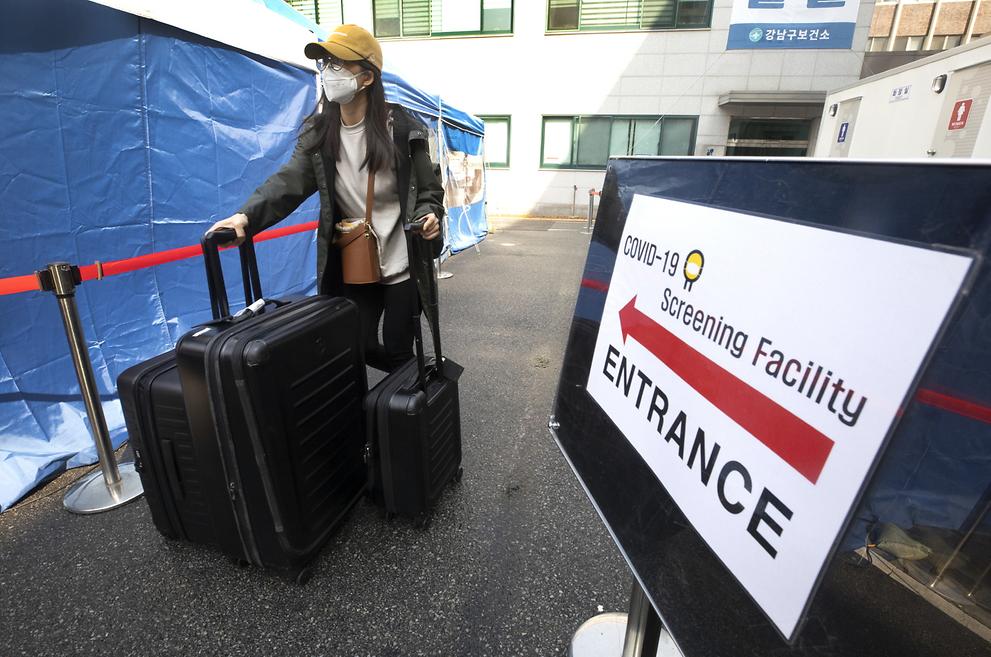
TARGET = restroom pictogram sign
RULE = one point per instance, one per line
(961, 110)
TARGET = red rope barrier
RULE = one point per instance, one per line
(17, 284)
(963, 407)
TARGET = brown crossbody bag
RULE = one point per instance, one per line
(359, 244)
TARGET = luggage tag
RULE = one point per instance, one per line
(250, 310)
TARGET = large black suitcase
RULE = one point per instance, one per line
(178, 483)
(276, 431)
(414, 424)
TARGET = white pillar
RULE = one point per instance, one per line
(890, 46)
(975, 8)
(928, 43)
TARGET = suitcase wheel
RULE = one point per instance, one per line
(458, 475)
(240, 563)
(303, 576)
(421, 521)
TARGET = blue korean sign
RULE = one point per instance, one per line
(762, 24)
(842, 137)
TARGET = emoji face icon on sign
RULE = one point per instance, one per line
(693, 268)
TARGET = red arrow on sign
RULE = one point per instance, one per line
(800, 445)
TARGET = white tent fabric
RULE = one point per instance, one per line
(244, 24)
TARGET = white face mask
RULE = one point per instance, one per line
(339, 86)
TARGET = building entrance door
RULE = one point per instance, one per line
(768, 137)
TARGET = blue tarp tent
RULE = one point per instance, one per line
(459, 150)
(121, 135)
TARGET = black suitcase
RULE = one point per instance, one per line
(164, 454)
(273, 400)
(414, 425)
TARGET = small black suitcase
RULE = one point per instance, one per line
(414, 425)
(164, 454)
(273, 400)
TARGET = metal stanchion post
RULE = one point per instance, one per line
(574, 201)
(978, 582)
(441, 274)
(111, 486)
(963, 541)
(643, 627)
(591, 211)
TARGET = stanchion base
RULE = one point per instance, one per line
(92, 495)
(444, 274)
(603, 636)
(600, 636)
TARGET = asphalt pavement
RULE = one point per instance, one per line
(514, 560)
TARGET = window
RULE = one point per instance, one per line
(426, 18)
(877, 44)
(947, 42)
(326, 13)
(496, 141)
(587, 142)
(588, 15)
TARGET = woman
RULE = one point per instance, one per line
(352, 132)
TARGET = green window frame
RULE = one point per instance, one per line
(491, 120)
(625, 15)
(418, 19)
(588, 141)
(326, 13)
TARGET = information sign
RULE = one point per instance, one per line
(757, 366)
(820, 24)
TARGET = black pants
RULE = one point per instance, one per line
(398, 303)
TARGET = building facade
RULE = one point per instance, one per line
(903, 31)
(564, 84)
(935, 107)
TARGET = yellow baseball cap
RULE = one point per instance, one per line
(349, 43)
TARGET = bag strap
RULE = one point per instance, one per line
(347, 238)
(370, 196)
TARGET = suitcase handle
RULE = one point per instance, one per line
(417, 329)
(211, 243)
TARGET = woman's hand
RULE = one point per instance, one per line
(430, 229)
(239, 222)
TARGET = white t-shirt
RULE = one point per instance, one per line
(351, 186)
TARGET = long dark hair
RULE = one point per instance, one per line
(322, 128)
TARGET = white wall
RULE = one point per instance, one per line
(905, 128)
(530, 74)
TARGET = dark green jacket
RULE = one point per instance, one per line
(306, 173)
